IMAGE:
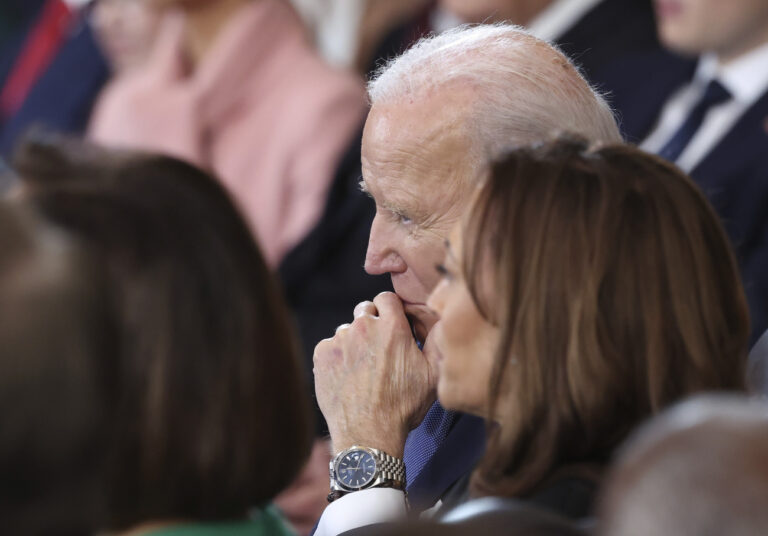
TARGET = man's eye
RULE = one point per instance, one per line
(402, 218)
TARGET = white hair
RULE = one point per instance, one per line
(526, 90)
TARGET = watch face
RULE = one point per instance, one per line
(356, 469)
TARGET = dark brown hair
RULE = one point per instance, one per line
(214, 416)
(56, 388)
(618, 294)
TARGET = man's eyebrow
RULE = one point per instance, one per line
(364, 187)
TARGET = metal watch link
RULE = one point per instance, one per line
(358, 468)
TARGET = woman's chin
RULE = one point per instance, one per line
(452, 400)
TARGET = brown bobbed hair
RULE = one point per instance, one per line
(214, 413)
(56, 387)
(616, 293)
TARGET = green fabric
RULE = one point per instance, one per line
(265, 522)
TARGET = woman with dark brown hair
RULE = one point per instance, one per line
(585, 291)
(212, 417)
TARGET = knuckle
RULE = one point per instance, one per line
(341, 328)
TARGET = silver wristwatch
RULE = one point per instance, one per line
(359, 468)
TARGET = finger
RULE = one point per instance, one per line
(342, 328)
(365, 308)
(390, 307)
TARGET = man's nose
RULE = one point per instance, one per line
(382, 256)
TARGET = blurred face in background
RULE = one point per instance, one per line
(126, 31)
(728, 28)
(515, 11)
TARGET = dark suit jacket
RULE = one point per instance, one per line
(608, 33)
(323, 276)
(734, 175)
(15, 22)
(63, 96)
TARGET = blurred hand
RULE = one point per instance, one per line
(373, 383)
(304, 501)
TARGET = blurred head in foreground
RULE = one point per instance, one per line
(57, 379)
(213, 415)
(586, 290)
(698, 469)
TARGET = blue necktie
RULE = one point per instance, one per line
(423, 441)
(714, 94)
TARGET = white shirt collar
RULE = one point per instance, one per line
(559, 17)
(74, 5)
(746, 77)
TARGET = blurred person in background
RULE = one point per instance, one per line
(334, 25)
(584, 291)
(699, 468)
(212, 417)
(234, 87)
(712, 121)
(598, 35)
(125, 31)
(58, 348)
(346, 30)
(54, 76)
(15, 18)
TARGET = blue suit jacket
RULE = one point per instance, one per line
(733, 175)
(62, 98)
(19, 15)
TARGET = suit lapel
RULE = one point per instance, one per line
(746, 142)
(734, 175)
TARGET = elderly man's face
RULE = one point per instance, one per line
(416, 167)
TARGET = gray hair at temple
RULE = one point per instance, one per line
(698, 469)
(527, 90)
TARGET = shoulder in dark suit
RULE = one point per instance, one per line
(62, 98)
(733, 175)
(617, 47)
(323, 276)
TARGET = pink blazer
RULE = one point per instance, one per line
(262, 111)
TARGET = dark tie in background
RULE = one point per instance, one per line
(714, 94)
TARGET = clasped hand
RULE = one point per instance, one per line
(372, 381)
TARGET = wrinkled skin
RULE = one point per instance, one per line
(374, 368)
(373, 383)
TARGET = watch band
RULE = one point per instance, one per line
(391, 468)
